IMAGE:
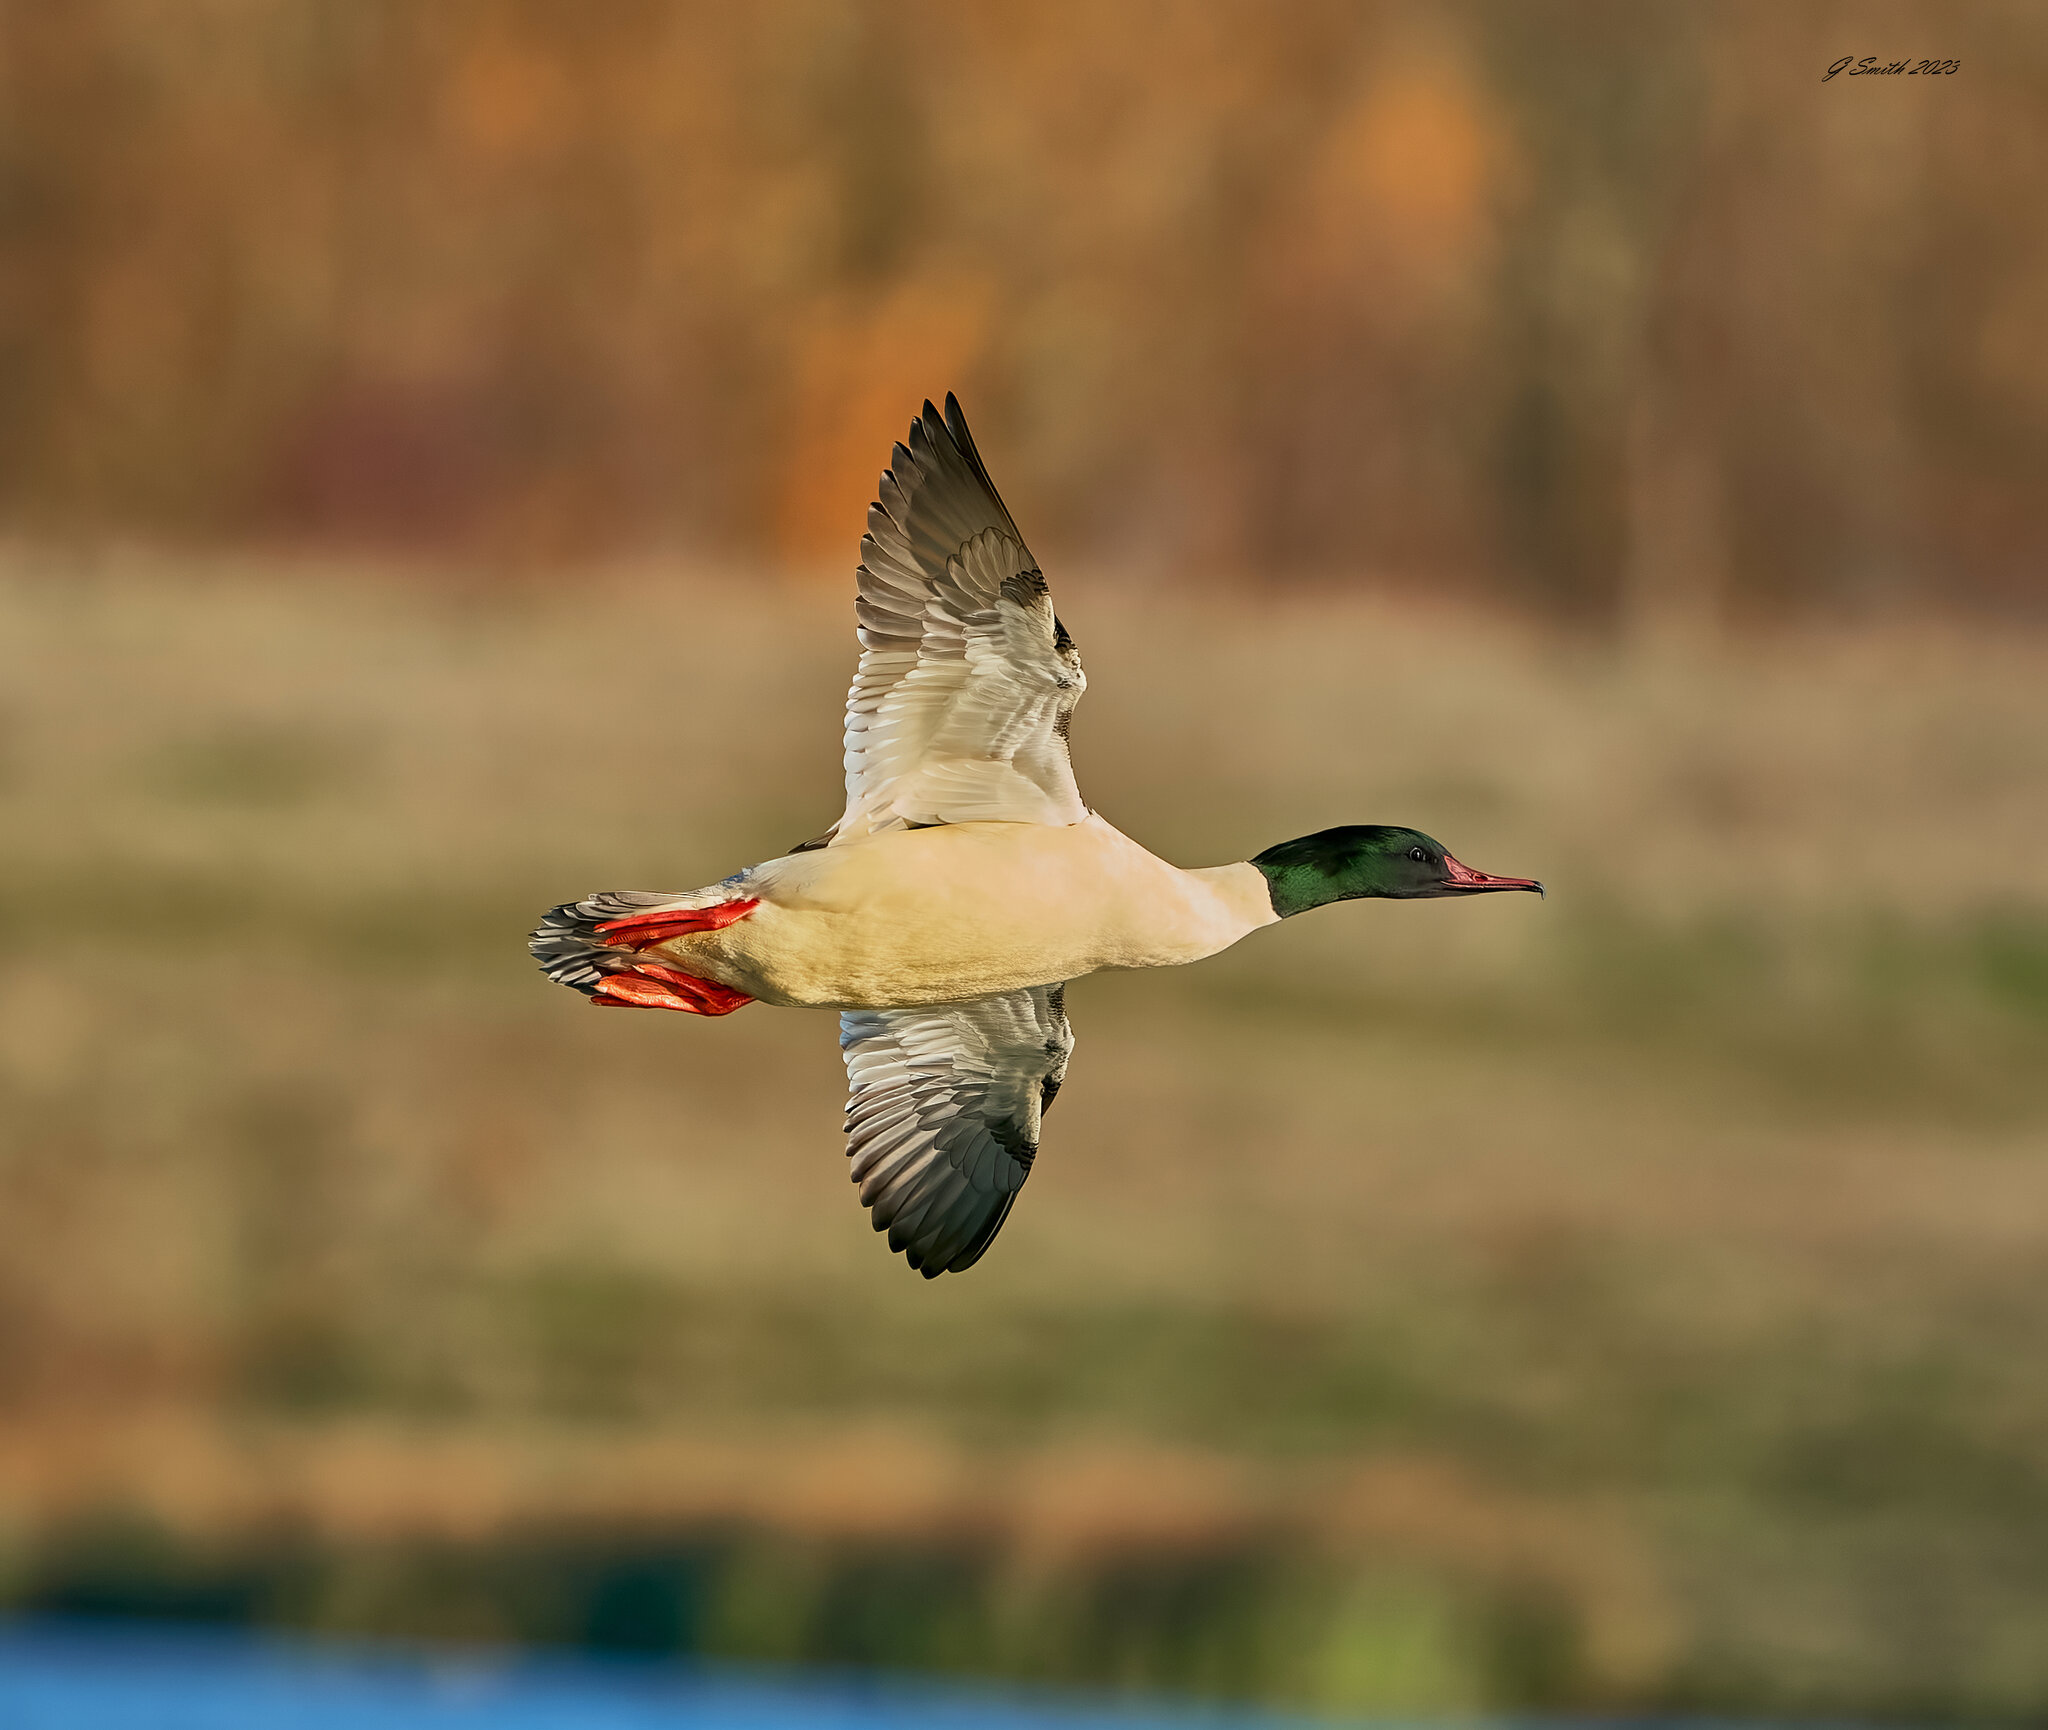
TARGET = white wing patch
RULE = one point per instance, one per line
(943, 1121)
(958, 712)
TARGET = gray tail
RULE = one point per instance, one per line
(567, 944)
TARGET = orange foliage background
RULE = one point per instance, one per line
(1620, 312)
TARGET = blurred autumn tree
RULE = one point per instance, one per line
(1615, 310)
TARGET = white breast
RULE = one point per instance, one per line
(967, 910)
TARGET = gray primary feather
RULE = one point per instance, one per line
(959, 709)
(943, 1121)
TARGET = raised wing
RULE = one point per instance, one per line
(958, 712)
(942, 1125)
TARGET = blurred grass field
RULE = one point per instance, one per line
(1630, 1300)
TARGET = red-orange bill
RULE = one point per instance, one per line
(1464, 877)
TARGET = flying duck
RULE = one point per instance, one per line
(966, 882)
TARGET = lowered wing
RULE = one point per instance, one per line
(943, 1121)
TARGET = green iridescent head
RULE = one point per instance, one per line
(1375, 859)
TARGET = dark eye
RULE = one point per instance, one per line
(1419, 855)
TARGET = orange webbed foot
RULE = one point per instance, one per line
(645, 930)
(653, 985)
(648, 986)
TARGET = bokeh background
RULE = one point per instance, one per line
(433, 441)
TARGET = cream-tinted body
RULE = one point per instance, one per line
(967, 910)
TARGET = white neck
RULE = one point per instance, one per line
(1243, 892)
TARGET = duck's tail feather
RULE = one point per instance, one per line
(569, 947)
(583, 944)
